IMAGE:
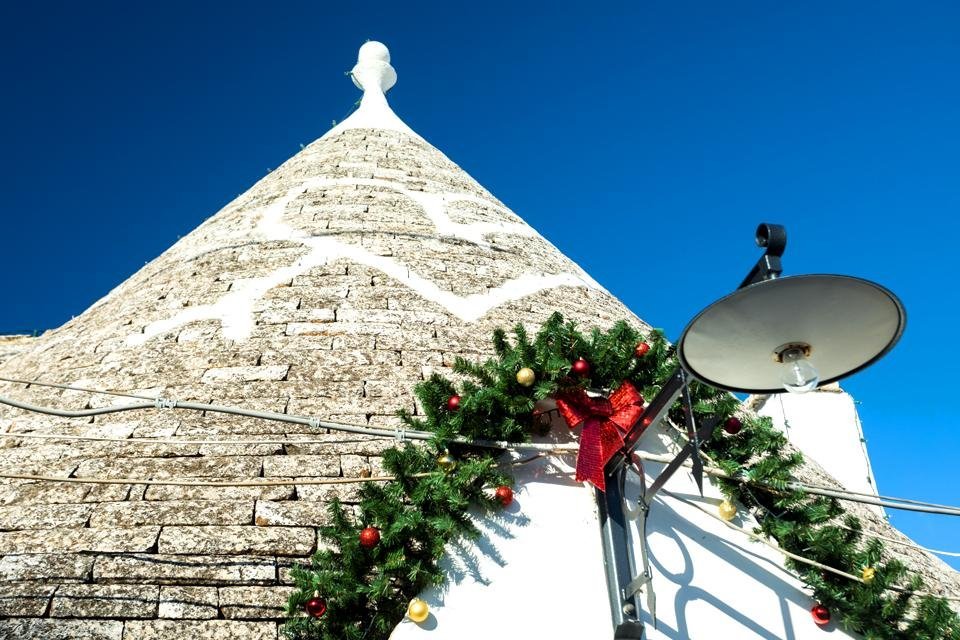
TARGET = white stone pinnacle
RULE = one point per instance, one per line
(373, 70)
(374, 76)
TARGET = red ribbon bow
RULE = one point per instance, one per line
(605, 421)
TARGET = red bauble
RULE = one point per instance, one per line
(453, 403)
(504, 495)
(580, 367)
(821, 615)
(316, 607)
(369, 537)
(732, 425)
(642, 349)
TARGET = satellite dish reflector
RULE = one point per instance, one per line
(838, 324)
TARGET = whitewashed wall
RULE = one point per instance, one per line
(825, 426)
(541, 568)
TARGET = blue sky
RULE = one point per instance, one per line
(645, 139)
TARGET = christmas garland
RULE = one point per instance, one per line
(386, 551)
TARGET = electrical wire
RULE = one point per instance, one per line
(841, 494)
(714, 471)
(183, 482)
(798, 558)
(165, 403)
(910, 545)
(175, 441)
(67, 387)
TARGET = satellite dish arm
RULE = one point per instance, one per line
(772, 237)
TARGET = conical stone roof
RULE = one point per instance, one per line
(328, 289)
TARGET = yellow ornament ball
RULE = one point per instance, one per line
(727, 510)
(868, 574)
(446, 462)
(418, 610)
(526, 377)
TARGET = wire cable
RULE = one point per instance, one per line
(189, 482)
(175, 441)
(164, 403)
(184, 482)
(817, 490)
(841, 494)
(910, 545)
(798, 558)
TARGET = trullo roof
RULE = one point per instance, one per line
(328, 289)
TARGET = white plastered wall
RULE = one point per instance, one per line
(540, 567)
(825, 426)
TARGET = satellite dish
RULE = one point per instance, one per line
(795, 333)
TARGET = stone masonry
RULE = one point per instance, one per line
(248, 310)
(341, 341)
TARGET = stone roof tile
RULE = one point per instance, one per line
(328, 289)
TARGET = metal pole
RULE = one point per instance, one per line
(622, 587)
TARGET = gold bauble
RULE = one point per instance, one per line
(727, 510)
(418, 610)
(526, 377)
(446, 462)
(868, 574)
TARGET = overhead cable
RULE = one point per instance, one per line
(170, 404)
(798, 558)
(154, 403)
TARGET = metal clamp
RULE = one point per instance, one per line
(165, 403)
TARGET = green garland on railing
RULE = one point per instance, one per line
(387, 551)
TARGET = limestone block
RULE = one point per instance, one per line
(44, 516)
(105, 601)
(165, 468)
(140, 450)
(169, 492)
(33, 453)
(24, 628)
(184, 569)
(213, 427)
(337, 443)
(132, 539)
(389, 421)
(187, 512)
(300, 465)
(245, 374)
(291, 513)
(357, 405)
(59, 567)
(188, 602)
(254, 603)
(376, 466)
(353, 465)
(109, 493)
(160, 425)
(361, 341)
(265, 449)
(296, 316)
(282, 541)
(61, 468)
(199, 630)
(413, 339)
(347, 493)
(25, 599)
(388, 389)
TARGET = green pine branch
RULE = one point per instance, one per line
(424, 509)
